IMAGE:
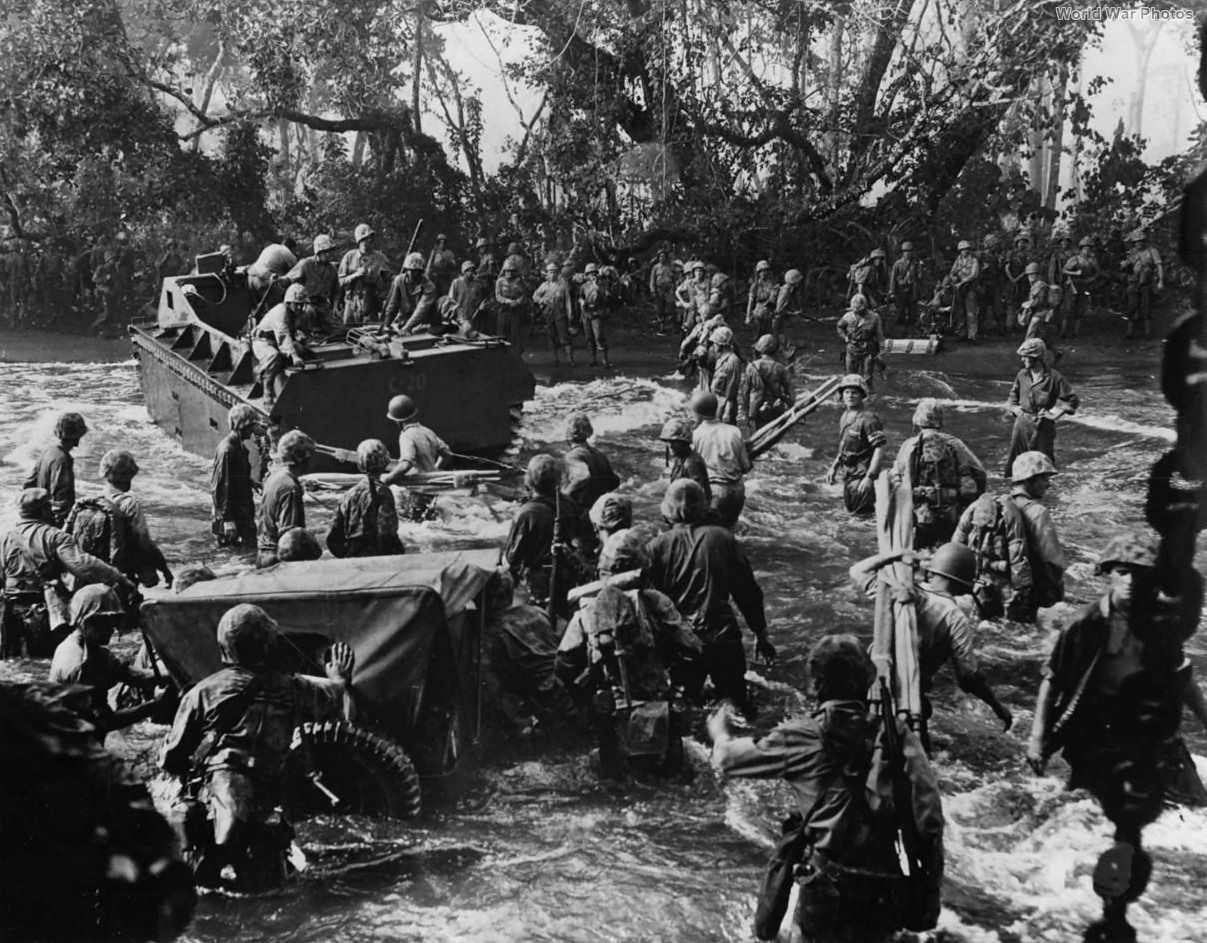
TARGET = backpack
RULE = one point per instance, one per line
(101, 530)
(935, 473)
(987, 536)
(857, 269)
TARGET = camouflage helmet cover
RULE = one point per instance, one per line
(793, 276)
(119, 464)
(1032, 347)
(295, 295)
(323, 243)
(295, 447)
(542, 473)
(853, 381)
(676, 429)
(611, 511)
(767, 344)
(1029, 465)
(414, 262)
(372, 457)
(241, 416)
(928, 414)
(722, 337)
(684, 502)
(763, 266)
(247, 636)
(1132, 550)
(623, 551)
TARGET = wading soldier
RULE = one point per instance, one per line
(863, 335)
(861, 444)
(54, 469)
(766, 390)
(366, 521)
(724, 452)
(234, 516)
(788, 305)
(282, 507)
(682, 460)
(1038, 397)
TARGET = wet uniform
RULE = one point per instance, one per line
(994, 529)
(860, 433)
(690, 466)
(765, 393)
(701, 567)
(365, 522)
(725, 382)
(724, 452)
(78, 661)
(280, 509)
(903, 280)
(519, 669)
(864, 338)
(1044, 550)
(54, 470)
(589, 475)
(1033, 396)
(946, 477)
(231, 491)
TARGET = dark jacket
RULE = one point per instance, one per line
(230, 484)
(589, 475)
(700, 567)
(691, 466)
(281, 509)
(366, 522)
(55, 471)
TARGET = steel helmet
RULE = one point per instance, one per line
(542, 474)
(704, 404)
(677, 263)
(551, 267)
(928, 414)
(767, 344)
(853, 381)
(402, 408)
(1032, 347)
(514, 248)
(123, 236)
(295, 447)
(722, 337)
(372, 457)
(579, 428)
(612, 511)
(192, 573)
(70, 426)
(414, 261)
(963, 244)
(509, 266)
(991, 240)
(441, 237)
(1137, 235)
(93, 600)
(1029, 465)
(763, 266)
(363, 232)
(676, 429)
(1086, 243)
(684, 502)
(858, 302)
(33, 503)
(242, 416)
(907, 247)
(295, 295)
(323, 243)
(119, 464)
(482, 243)
(719, 279)
(878, 254)
(468, 266)
(591, 269)
(1031, 269)
(793, 277)
(247, 636)
(956, 562)
(698, 266)
(623, 551)
(1064, 237)
(1022, 237)
(1133, 550)
(298, 544)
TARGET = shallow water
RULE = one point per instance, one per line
(537, 850)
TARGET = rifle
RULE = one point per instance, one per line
(551, 603)
(414, 236)
(907, 828)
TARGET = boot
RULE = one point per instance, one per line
(606, 362)
(570, 356)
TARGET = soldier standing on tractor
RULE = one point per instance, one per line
(469, 294)
(760, 301)
(1143, 268)
(965, 276)
(242, 719)
(276, 344)
(944, 474)
(364, 277)
(320, 279)
(411, 305)
(904, 279)
(54, 470)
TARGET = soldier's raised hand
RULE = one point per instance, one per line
(340, 662)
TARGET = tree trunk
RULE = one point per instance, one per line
(417, 69)
(1145, 41)
(1056, 144)
(1075, 162)
(1035, 166)
(358, 149)
(836, 71)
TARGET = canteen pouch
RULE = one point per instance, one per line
(779, 877)
(644, 728)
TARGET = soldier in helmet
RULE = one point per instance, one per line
(589, 474)
(965, 277)
(54, 469)
(469, 293)
(628, 653)
(945, 634)
(1144, 274)
(726, 374)
(863, 335)
(277, 344)
(766, 390)
(1060, 253)
(234, 516)
(991, 283)
(594, 296)
(420, 450)
(1037, 313)
(861, 444)
(682, 460)
(554, 299)
(282, 506)
(1038, 397)
(904, 280)
(1090, 709)
(723, 449)
(547, 524)
(610, 513)
(411, 305)
(247, 712)
(364, 277)
(691, 296)
(662, 290)
(760, 300)
(789, 303)
(1018, 287)
(1031, 476)
(320, 279)
(511, 303)
(298, 545)
(869, 277)
(34, 556)
(441, 265)
(366, 522)
(486, 260)
(1081, 277)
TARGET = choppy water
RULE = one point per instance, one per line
(537, 850)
